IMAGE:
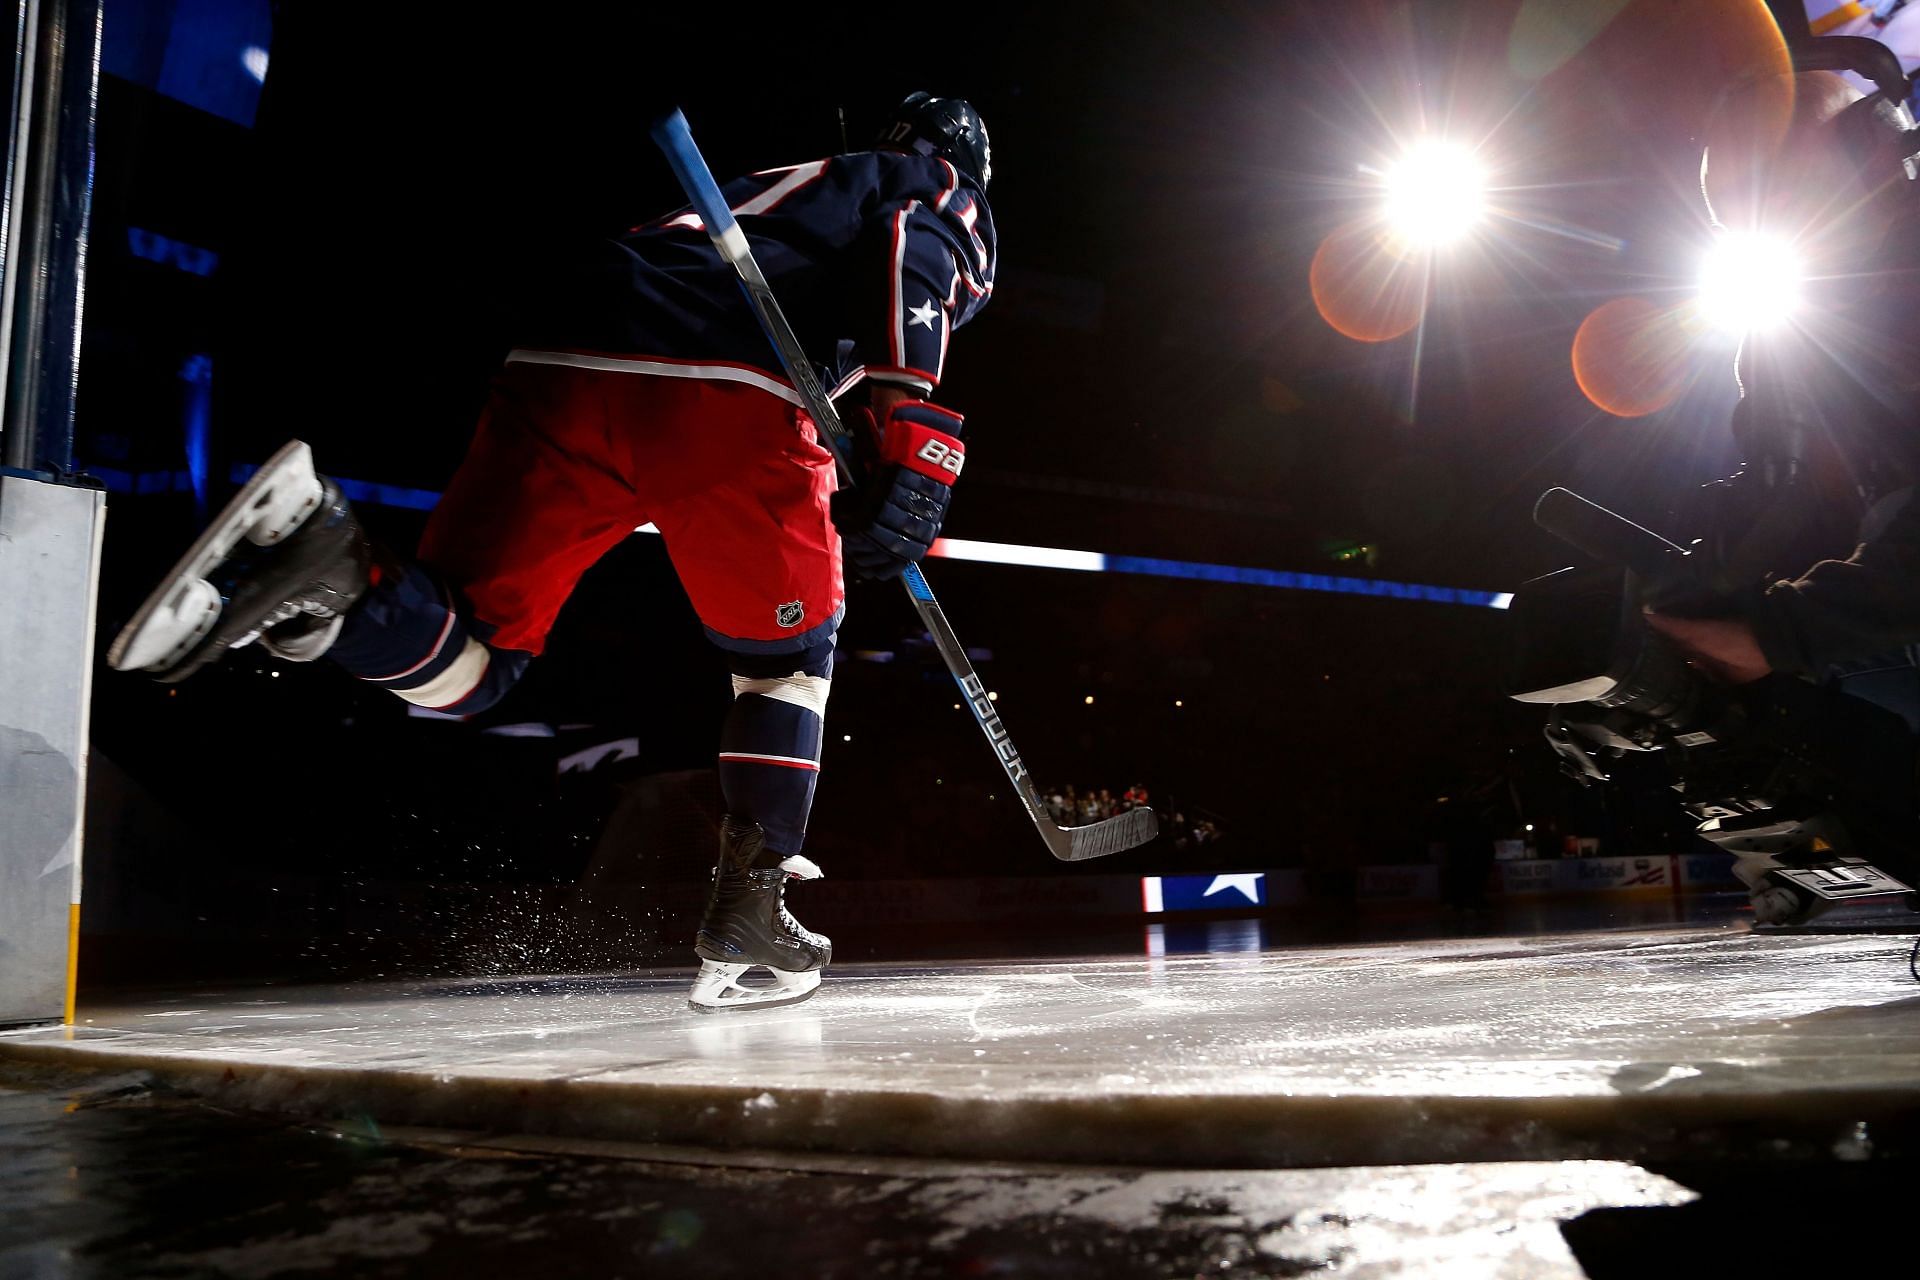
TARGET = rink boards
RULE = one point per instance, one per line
(1119, 896)
(1655, 876)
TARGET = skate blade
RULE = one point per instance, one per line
(185, 606)
(718, 988)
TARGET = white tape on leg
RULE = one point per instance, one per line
(456, 682)
(809, 692)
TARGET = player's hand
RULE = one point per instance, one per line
(911, 456)
(1724, 648)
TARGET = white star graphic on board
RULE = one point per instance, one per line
(1247, 882)
(924, 314)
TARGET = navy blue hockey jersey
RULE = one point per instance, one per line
(876, 257)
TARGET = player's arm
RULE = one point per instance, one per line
(936, 267)
(936, 271)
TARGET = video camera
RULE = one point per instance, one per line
(1809, 788)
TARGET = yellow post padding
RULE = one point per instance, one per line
(73, 956)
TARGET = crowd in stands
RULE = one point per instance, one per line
(1073, 807)
(1191, 832)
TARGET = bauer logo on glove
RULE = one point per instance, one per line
(924, 437)
(942, 455)
(909, 463)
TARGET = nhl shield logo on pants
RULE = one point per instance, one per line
(789, 614)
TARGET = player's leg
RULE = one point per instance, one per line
(759, 557)
(769, 761)
(535, 503)
(770, 743)
(416, 637)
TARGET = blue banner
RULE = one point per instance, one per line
(1225, 892)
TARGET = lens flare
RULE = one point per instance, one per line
(1548, 32)
(1363, 288)
(1663, 65)
(1631, 357)
(1749, 282)
(1436, 193)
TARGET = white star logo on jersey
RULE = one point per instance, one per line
(924, 314)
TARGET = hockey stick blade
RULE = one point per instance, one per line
(1117, 834)
(1069, 844)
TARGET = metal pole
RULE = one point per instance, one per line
(72, 222)
(26, 30)
(45, 278)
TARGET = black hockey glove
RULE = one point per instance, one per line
(906, 466)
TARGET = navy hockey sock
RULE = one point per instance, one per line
(408, 634)
(770, 755)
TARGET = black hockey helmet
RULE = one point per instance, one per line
(946, 127)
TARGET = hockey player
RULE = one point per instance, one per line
(644, 392)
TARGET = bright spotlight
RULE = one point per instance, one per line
(1749, 282)
(1436, 192)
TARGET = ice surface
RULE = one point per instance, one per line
(1492, 1048)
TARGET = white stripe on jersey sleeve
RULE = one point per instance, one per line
(798, 176)
(899, 258)
(953, 185)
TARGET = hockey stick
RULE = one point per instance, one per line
(1069, 844)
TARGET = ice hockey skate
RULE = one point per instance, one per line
(747, 925)
(286, 553)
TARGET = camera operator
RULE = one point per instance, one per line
(1829, 417)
